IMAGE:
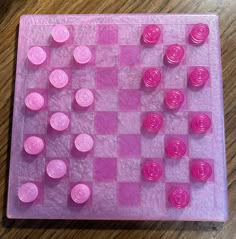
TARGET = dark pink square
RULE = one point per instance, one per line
(129, 100)
(129, 145)
(105, 169)
(106, 77)
(129, 55)
(106, 122)
(129, 194)
(107, 34)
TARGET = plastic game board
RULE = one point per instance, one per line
(118, 117)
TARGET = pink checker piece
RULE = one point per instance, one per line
(28, 192)
(56, 168)
(151, 170)
(198, 76)
(33, 145)
(174, 99)
(199, 34)
(80, 193)
(59, 121)
(201, 170)
(174, 54)
(200, 123)
(151, 34)
(84, 143)
(37, 55)
(84, 97)
(175, 148)
(58, 78)
(152, 77)
(82, 54)
(34, 101)
(178, 198)
(153, 122)
(60, 33)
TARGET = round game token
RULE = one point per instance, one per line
(153, 122)
(178, 198)
(175, 148)
(151, 34)
(28, 192)
(59, 121)
(152, 77)
(84, 97)
(34, 101)
(199, 34)
(82, 54)
(174, 99)
(200, 123)
(84, 142)
(37, 55)
(56, 168)
(60, 33)
(174, 54)
(199, 76)
(151, 171)
(80, 193)
(58, 78)
(201, 170)
(33, 145)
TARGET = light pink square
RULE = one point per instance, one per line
(82, 122)
(129, 55)
(129, 34)
(173, 34)
(107, 34)
(152, 146)
(129, 122)
(106, 100)
(105, 146)
(152, 56)
(105, 169)
(125, 190)
(62, 56)
(197, 56)
(106, 77)
(40, 35)
(152, 101)
(129, 100)
(129, 78)
(85, 34)
(83, 78)
(106, 122)
(107, 56)
(129, 145)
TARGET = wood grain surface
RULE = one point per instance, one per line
(10, 11)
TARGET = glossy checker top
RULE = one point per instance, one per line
(118, 117)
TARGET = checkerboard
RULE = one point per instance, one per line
(112, 169)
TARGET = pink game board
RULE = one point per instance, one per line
(118, 117)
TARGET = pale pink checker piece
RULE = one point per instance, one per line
(174, 99)
(37, 55)
(80, 193)
(198, 76)
(200, 123)
(56, 168)
(153, 122)
(84, 97)
(28, 192)
(174, 54)
(199, 34)
(82, 54)
(175, 148)
(151, 34)
(152, 77)
(201, 170)
(178, 198)
(59, 121)
(58, 78)
(33, 145)
(34, 101)
(84, 143)
(151, 170)
(60, 33)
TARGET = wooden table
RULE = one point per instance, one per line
(10, 11)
